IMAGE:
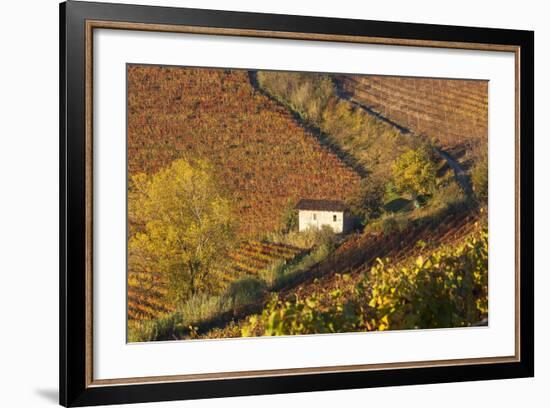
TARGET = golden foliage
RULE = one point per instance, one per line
(414, 172)
(186, 227)
(447, 288)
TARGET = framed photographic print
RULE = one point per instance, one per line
(256, 203)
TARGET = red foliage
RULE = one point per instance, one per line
(263, 157)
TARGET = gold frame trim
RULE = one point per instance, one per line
(98, 24)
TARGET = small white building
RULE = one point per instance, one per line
(317, 213)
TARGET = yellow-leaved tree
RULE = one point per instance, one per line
(181, 228)
(414, 173)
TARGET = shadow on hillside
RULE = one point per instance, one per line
(323, 139)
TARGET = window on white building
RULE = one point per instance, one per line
(314, 217)
(334, 218)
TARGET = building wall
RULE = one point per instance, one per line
(306, 220)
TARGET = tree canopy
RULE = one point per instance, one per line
(414, 172)
(182, 227)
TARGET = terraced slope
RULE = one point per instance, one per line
(263, 158)
(453, 112)
(363, 251)
(253, 257)
(358, 254)
(147, 294)
(146, 303)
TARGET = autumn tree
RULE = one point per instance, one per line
(368, 201)
(414, 173)
(182, 229)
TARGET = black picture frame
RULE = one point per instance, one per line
(75, 389)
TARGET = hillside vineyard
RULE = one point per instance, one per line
(284, 203)
(262, 156)
(453, 112)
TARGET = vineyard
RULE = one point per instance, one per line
(146, 303)
(358, 255)
(147, 293)
(364, 141)
(452, 112)
(448, 287)
(253, 257)
(263, 158)
(217, 160)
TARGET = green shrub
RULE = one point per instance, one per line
(202, 306)
(367, 203)
(244, 291)
(287, 272)
(325, 237)
(390, 224)
(301, 239)
(164, 328)
(448, 194)
(274, 272)
(399, 204)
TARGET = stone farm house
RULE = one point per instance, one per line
(317, 213)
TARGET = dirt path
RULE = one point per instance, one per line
(461, 175)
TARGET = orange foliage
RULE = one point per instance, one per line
(262, 156)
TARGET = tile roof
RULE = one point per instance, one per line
(321, 205)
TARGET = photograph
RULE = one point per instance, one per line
(274, 204)
(255, 203)
(281, 203)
